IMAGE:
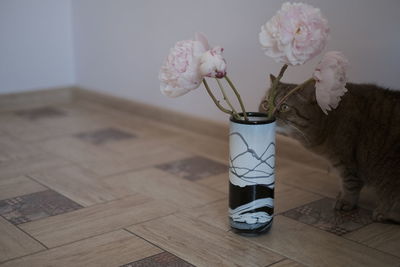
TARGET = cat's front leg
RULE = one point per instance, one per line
(348, 197)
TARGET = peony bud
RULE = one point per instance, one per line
(212, 64)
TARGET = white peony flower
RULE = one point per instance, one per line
(180, 72)
(295, 34)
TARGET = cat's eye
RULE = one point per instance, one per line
(284, 108)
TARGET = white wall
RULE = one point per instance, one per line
(120, 45)
(36, 50)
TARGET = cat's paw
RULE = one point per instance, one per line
(344, 204)
(386, 216)
(378, 216)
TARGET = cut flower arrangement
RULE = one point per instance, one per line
(296, 34)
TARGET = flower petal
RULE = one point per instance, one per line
(331, 78)
(169, 91)
(202, 38)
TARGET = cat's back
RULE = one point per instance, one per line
(372, 104)
(376, 116)
(372, 93)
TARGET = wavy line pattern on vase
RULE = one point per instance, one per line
(262, 169)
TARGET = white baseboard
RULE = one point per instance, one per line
(187, 122)
(33, 99)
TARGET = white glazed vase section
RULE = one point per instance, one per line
(252, 154)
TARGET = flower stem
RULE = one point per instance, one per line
(300, 86)
(238, 96)
(272, 94)
(235, 114)
(216, 102)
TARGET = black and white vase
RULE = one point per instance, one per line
(251, 174)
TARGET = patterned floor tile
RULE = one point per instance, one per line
(35, 206)
(103, 136)
(321, 214)
(39, 113)
(194, 168)
(164, 259)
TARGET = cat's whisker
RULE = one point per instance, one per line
(299, 131)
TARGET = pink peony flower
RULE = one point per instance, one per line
(297, 33)
(180, 72)
(330, 76)
(212, 64)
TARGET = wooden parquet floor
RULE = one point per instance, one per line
(85, 185)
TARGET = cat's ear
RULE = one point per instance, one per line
(272, 78)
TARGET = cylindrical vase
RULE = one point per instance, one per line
(251, 173)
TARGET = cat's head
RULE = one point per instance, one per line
(299, 116)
